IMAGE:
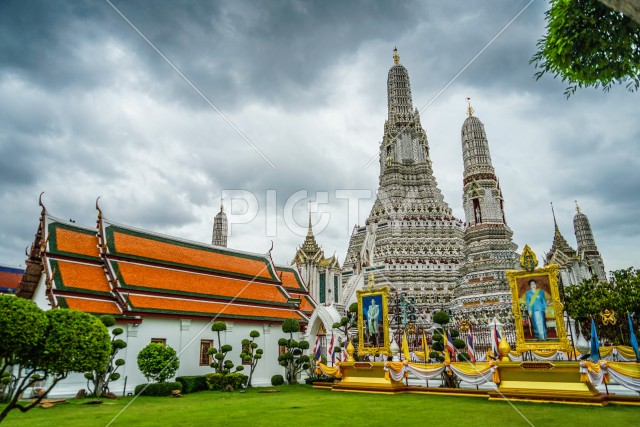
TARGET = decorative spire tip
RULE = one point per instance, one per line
(470, 109)
(396, 57)
(578, 207)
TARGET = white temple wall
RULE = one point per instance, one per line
(184, 336)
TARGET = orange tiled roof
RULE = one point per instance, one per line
(305, 305)
(128, 244)
(210, 309)
(290, 279)
(89, 306)
(75, 242)
(180, 281)
(80, 276)
(10, 278)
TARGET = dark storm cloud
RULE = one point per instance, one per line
(88, 109)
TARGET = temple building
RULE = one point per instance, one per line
(576, 265)
(483, 292)
(220, 228)
(321, 275)
(10, 278)
(166, 289)
(411, 241)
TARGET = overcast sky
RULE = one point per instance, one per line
(288, 96)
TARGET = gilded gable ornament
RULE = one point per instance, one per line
(528, 259)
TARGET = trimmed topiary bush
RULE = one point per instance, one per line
(218, 381)
(441, 318)
(192, 384)
(464, 357)
(157, 389)
(277, 380)
(458, 343)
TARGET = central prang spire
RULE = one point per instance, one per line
(411, 241)
(399, 100)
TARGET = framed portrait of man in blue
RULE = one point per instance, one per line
(537, 309)
(373, 322)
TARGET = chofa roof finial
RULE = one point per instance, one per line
(98, 208)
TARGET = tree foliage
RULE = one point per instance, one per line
(251, 353)
(98, 380)
(589, 44)
(158, 362)
(22, 325)
(294, 360)
(37, 345)
(620, 294)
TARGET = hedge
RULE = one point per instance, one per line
(192, 384)
(157, 389)
(219, 381)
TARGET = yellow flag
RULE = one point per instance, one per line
(405, 347)
(425, 347)
(447, 357)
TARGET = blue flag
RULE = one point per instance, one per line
(595, 343)
(633, 339)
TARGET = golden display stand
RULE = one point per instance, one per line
(538, 381)
(367, 377)
(545, 381)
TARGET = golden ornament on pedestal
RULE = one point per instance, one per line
(350, 350)
(504, 348)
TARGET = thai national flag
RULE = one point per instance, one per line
(331, 350)
(451, 347)
(316, 349)
(495, 342)
(470, 347)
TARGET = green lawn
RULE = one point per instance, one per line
(303, 405)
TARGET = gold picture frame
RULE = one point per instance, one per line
(537, 310)
(369, 340)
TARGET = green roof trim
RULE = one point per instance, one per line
(296, 275)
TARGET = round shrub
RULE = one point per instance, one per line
(219, 327)
(277, 380)
(458, 343)
(441, 318)
(464, 357)
(158, 362)
(290, 326)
